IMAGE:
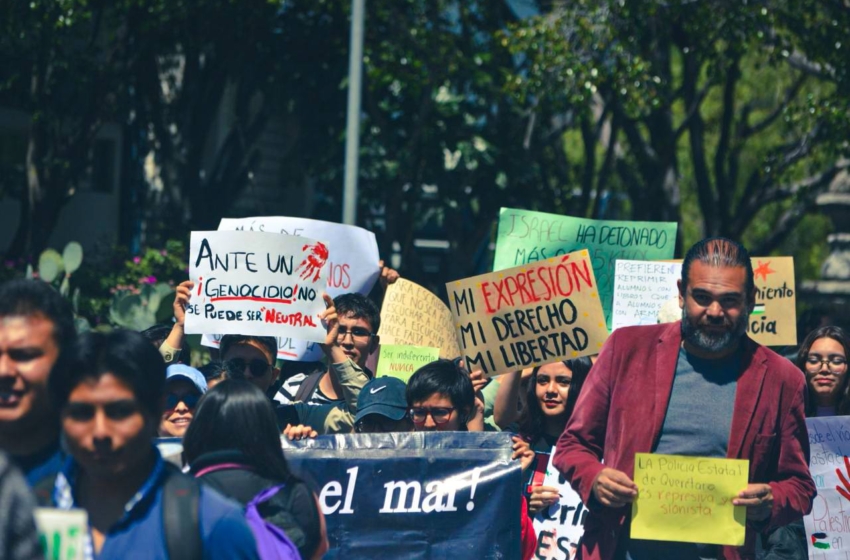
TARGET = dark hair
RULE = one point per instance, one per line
(157, 335)
(842, 408)
(446, 378)
(28, 298)
(230, 340)
(532, 425)
(214, 370)
(720, 252)
(359, 306)
(236, 415)
(125, 354)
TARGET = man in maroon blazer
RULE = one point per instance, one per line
(698, 387)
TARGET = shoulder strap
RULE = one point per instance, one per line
(181, 496)
(308, 386)
(221, 467)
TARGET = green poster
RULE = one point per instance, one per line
(400, 361)
(525, 237)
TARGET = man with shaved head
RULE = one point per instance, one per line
(698, 387)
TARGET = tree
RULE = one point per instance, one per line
(672, 96)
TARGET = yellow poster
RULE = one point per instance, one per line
(689, 499)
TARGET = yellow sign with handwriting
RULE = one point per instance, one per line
(689, 499)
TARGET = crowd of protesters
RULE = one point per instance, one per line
(80, 416)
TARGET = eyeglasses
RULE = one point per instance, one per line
(440, 414)
(834, 362)
(257, 367)
(355, 332)
(172, 400)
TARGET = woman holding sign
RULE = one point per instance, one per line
(823, 358)
(551, 396)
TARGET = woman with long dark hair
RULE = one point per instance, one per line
(233, 445)
(551, 395)
(823, 358)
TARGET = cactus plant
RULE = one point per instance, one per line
(152, 305)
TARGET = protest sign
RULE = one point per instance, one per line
(256, 284)
(414, 495)
(559, 526)
(829, 522)
(62, 533)
(401, 361)
(352, 265)
(528, 315)
(641, 288)
(526, 237)
(413, 315)
(689, 499)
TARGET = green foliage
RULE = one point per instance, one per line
(142, 309)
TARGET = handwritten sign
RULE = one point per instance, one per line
(689, 499)
(528, 315)
(641, 288)
(412, 315)
(526, 237)
(352, 265)
(402, 361)
(559, 526)
(828, 525)
(256, 284)
(62, 533)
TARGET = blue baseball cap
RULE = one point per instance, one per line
(382, 395)
(182, 370)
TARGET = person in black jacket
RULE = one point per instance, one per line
(233, 445)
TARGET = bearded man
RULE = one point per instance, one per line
(700, 387)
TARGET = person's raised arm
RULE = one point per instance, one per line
(506, 407)
(172, 345)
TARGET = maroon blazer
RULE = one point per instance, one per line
(621, 409)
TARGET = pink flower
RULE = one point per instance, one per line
(163, 253)
(137, 260)
(151, 279)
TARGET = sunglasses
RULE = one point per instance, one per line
(172, 400)
(440, 414)
(257, 367)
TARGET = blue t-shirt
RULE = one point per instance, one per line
(698, 423)
(140, 533)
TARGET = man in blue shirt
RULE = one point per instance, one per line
(110, 400)
(36, 330)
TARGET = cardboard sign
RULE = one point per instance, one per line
(828, 526)
(641, 288)
(401, 361)
(689, 499)
(527, 237)
(62, 533)
(528, 315)
(560, 526)
(352, 265)
(412, 315)
(256, 284)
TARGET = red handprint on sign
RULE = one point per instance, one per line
(313, 262)
(846, 490)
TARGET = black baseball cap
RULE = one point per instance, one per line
(382, 395)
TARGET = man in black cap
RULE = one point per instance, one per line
(382, 407)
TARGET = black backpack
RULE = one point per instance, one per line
(181, 495)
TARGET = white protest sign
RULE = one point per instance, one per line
(258, 284)
(352, 265)
(828, 525)
(640, 289)
(62, 532)
(560, 526)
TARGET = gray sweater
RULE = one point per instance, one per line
(18, 536)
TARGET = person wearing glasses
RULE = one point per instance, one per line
(823, 358)
(184, 386)
(441, 399)
(252, 358)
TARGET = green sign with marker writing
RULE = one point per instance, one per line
(62, 533)
(401, 361)
(526, 237)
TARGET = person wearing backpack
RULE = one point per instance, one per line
(110, 399)
(233, 445)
